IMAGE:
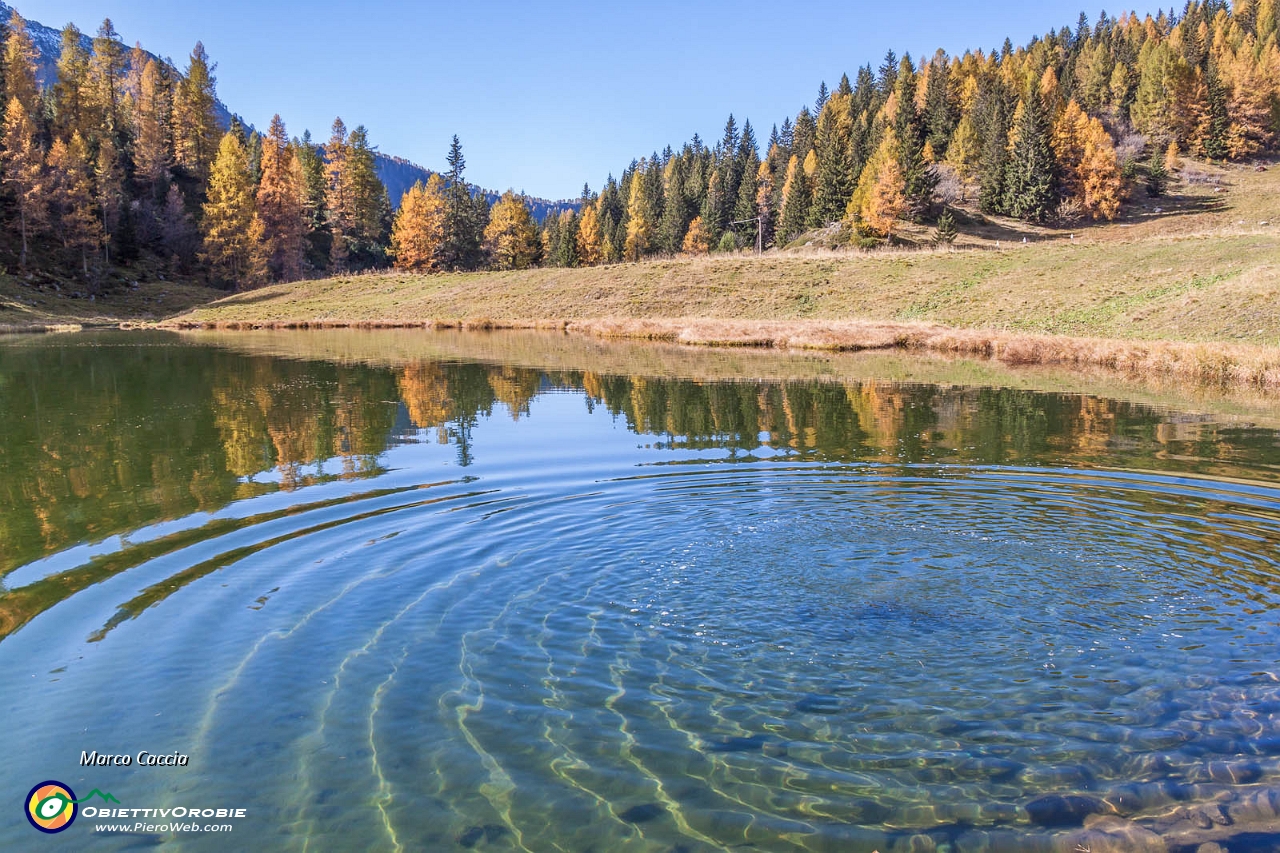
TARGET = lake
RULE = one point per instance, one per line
(518, 591)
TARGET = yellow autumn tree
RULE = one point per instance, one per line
(1102, 183)
(887, 202)
(152, 124)
(590, 246)
(233, 233)
(280, 204)
(1068, 148)
(638, 226)
(1172, 160)
(72, 198)
(1087, 162)
(965, 150)
(418, 232)
(765, 181)
(1050, 92)
(22, 165)
(20, 59)
(696, 241)
(880, 197)
(511, 237)
(1252, 78)
(810, 164)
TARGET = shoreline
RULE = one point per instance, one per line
(1200, 363)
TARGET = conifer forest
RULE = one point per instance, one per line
(123, 161)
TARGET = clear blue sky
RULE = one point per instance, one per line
(544, 95)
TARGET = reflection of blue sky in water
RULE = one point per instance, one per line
(589, 637)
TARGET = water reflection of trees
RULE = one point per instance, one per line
(101, 440)
(105, 440)
(922, 423)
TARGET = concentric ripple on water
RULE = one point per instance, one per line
(796, 622)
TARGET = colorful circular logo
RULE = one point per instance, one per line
(51, 807)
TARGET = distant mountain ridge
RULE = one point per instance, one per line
(399, 174)
(48, 42)
(396, 173)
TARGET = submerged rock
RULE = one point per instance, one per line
(643, 813)
(1110, 834)
(755, 743)
(475, 834)
(1062, 809)
(1259, 806)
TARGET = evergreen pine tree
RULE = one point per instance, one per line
(315, 214)
(993, 123)
(796, 198)
(106, 70)
(655, 198)
(1219, 123)
(729, 168)
(744, 207)
(919, 178)
(864, 92)
(786, 136)
(1030, 176)
(253, 145)
(678, 211)
(823, 96)
(462, 240)
(567, 254)
(1157, 176)
(803, 134)
(196, 133)
(940, 113)
(369, 205)
(887, 79)
(947, 231)
(833, 144)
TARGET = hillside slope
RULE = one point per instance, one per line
(1202, 264)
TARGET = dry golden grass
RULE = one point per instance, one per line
(1222, 364)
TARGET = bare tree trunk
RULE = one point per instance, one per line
(22, 214)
